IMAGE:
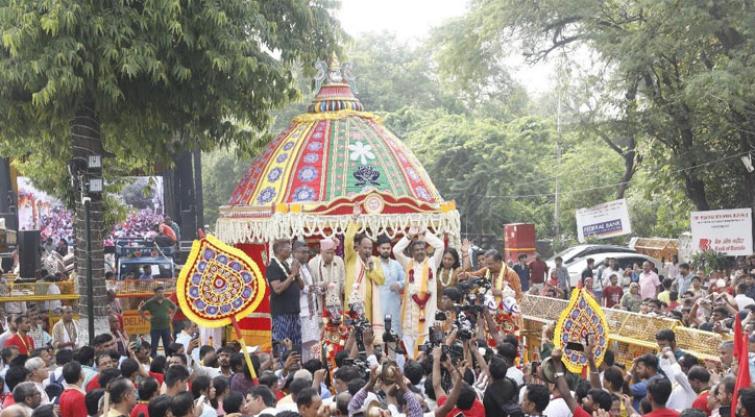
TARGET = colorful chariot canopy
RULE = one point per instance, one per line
(335, 156)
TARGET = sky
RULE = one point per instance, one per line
(411, 21)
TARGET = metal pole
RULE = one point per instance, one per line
(560, 87)
(90, 289)
(557, 209)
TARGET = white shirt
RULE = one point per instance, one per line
(269, 410)
(671, 270)
(557, 408)
(682, 395)
(41, 389)
(305, 297)
(53, 305)
(185, 339)
(743, 301)
(607, 276)
(516, 374)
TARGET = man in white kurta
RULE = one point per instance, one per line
(310, 314)
(327, 269)
(420, 290)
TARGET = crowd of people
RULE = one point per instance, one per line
(56, 224)
(392, 328)
(140, 224)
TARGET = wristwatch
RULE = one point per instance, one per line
(559, 374)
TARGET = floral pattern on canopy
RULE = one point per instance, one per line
(307, 180)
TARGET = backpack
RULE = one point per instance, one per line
(55, 385)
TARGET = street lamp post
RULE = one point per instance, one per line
(87, 178)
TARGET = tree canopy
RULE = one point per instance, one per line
(211, 71)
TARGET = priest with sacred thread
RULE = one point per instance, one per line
(363, 278)
(420, 291)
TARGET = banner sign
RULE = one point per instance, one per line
(724, 231)
(603, 221)
(134, 323)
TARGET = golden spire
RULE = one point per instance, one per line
(333, 63)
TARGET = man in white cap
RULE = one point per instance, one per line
(327, 269)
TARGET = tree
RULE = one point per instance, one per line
(479, 163)
(140, 81)
(221, 171)
(683, 68)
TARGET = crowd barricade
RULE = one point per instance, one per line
(13, 289)
(630, 334)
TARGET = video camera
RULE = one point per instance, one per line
(358, 323)
(474, 287)
(391, 337)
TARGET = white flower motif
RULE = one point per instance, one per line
(361, 151)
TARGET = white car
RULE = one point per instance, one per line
(579, 252)
(625, 259)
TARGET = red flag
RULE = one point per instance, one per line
(742, 355)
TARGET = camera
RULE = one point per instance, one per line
(435, 339)
(358, 363)
(465, 325)
(358, 324)
(389, 336)
(474, 285)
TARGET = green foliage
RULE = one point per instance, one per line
(710, 261)
(221, 171)
(149, 70)
(479, 163)
(682, 69)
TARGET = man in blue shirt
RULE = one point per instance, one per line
(523, 271)
(146, 273)
(390, 291)
(684, 281)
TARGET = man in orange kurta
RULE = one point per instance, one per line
(498, 273)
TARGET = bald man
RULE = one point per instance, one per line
(65, 332)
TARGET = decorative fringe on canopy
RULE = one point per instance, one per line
(289, 225)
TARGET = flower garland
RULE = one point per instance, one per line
(429, 275)
(423, 296)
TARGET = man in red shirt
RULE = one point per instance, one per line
(538, 272)
(21, 339)
(659, 389)
(698, 378)
(612, 294)
(467, 403)
(103, 361)
(72, 400)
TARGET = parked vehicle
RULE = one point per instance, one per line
(625, 259)
(579, 252)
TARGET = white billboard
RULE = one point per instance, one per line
(603, 221)
(723, 231)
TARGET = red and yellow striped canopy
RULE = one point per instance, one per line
(334, 156)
